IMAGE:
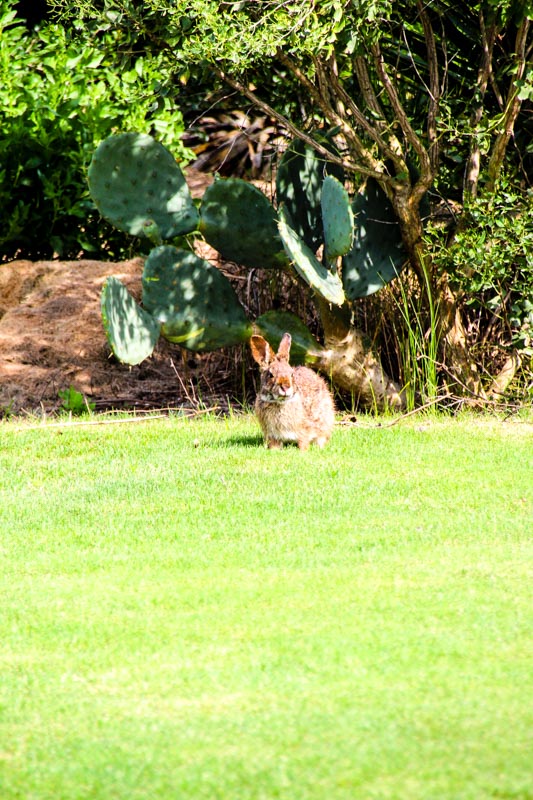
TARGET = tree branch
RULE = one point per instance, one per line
(320, 98)
(473, 166)
(348, 165)
(512, 109)
(367, 90)
(426, 171)
(394, 154)
(434, 86)
(326, 79)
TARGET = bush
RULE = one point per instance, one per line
(490, 263)
(59, 99)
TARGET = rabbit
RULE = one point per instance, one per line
(293, 404)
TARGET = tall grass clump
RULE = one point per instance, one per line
(416, 340)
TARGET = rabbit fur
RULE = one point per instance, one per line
(294, 404)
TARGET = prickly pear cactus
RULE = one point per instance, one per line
(337, 217)
(131, 331)
(325, 282)
(138, 187)
(299, 180)
(239, 222)
(194, 302)
(304, 349)
(377, 255)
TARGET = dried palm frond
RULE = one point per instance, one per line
(234, 143)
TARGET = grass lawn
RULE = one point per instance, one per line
(187, 615)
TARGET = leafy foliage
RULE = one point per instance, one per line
(74, 402)
(491, 264)
(239, 33)
(59, 98)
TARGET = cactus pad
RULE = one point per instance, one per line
(377, 255)
(304, 349)
(239, 222)
(299, 181)
(337, 218)
(195, 303)
(131, 331)
(327, 284)
(138, 187)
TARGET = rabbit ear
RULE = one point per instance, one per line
(261, 350)
(285, 347)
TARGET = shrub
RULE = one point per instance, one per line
(59, 99)
(490, 263)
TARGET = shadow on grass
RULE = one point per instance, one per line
(246, 441)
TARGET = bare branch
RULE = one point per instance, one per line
(320, 98)
(348, 165)
(426, 171)
(325, 81)
(434, 86)
(473, 167)
(367, 90)
(394, 154)
(512, 109)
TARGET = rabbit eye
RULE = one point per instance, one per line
(267, 373)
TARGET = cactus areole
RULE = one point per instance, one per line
(337, 217)
(138, 187)
(377, 255)
(238, 221)
(325, 283)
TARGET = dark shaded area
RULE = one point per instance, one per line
(32, 12)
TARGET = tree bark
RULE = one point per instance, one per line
(473, 167)
(351, 366)
(512, 110)
(505, 376)
(463, 374)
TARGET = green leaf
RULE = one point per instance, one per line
(74, 402)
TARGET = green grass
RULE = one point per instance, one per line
(187, 615)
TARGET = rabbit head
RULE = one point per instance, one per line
(277, 375)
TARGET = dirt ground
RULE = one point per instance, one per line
(51, 337)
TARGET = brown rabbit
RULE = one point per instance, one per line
(293, 404)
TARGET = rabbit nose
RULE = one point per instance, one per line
(284, 387)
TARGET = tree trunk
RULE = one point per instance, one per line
(353, 368)
(463, 375)
(506, 375)
(454, 350)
